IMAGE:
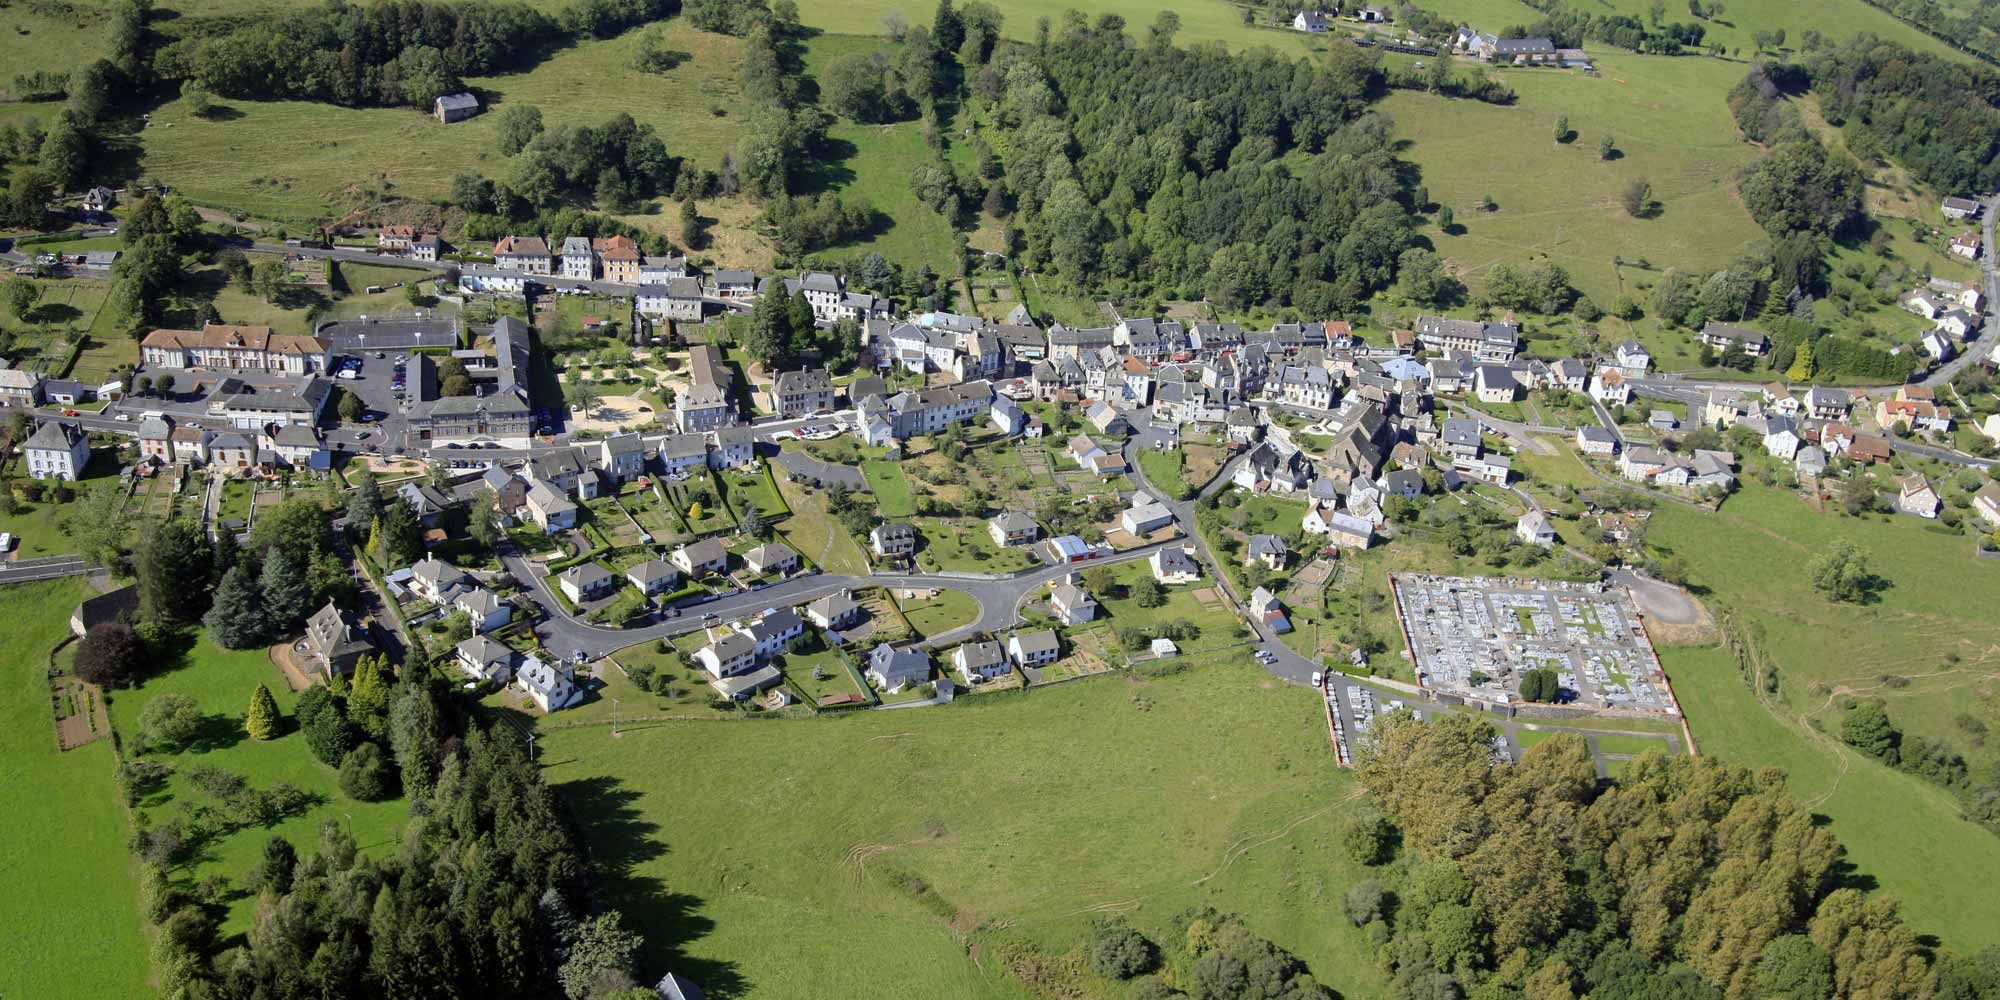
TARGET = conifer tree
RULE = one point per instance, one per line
(263, 721)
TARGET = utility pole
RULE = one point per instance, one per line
(614, 718)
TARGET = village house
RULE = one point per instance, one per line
(1270, 551)
(1723, 336)
(1534, 529)
(331, 647)
(1071, 604)
(730, 653)
(395, 239)
(892, 669)
(770, 558)
(1986, 503)
(19, 388)
(484, 659)
(699, 559)
(56, 451)
(1966, 245)
(1175, 566)
(653, 577)
(550, 509)
(893, 541)
(1012, 529)
(774, 632)
(528, 254)
(1609, 386)
(803, 393)
(1594, 440)
(1491, 342)
(979, 662)
(1034, 649)
(1311, 20)
(550, 686)
(586, 582)
(1957, 208)
(834, 611)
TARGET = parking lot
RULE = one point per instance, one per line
(1477, 636)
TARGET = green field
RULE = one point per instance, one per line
(297, 160)
(1211, 20)
(222, 682)
(1667, 116)
(1017, 812)
(71, 907)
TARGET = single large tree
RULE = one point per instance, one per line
(237, 619)
(111, 654)
(1841, 573)
(173, 555)
(365, 505)
(287, 597)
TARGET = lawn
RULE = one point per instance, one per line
(221, 682)
(1199, 22)
(72, 905)
(890, 486)
(294, 161)
(950, 609)
(744, 489)
(963, 543)
(55, 38)
(1218, 624)
(1934, 618)
(1668, 118)
(868, 803)
(1164, 470)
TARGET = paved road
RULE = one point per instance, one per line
(1664, 601)
(48, 568)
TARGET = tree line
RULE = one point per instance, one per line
(395, 53)
(1689, 878)
(1937, 117)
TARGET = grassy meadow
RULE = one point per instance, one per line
(1931, 624)
(221, 682)
(72, 905)
(1900, 832)
(1022, 816)
(1562, 203)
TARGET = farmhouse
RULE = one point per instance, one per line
(1955, 207)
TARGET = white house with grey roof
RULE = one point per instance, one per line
(892, 669)
(56, 451)
(979, 662)
(1034, 649)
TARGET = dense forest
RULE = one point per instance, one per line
(1689, 879)
(1156, 170)
(1937, 117)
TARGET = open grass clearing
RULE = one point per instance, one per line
(963, 543)
(890, 486)
(221, 682)
(1029, 853)
(72, 906)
